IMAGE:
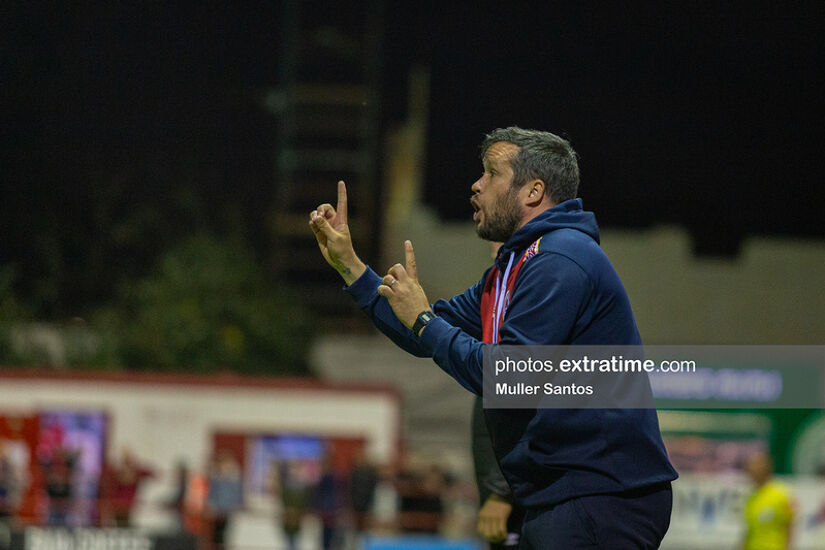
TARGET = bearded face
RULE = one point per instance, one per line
(497, 220)
(498, 210)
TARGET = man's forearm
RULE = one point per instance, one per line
(378, 309)
(350, 270)
(456, 352)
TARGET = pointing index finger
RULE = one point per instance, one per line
(409, 254)
(342, 201)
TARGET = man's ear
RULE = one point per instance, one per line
(534, 192)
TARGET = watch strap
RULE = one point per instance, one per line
(423, 320)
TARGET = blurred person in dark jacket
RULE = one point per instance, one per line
(327, 503)
(499, 518)
(363, 481)
(420, 502)
(296, 498)
(177, 503)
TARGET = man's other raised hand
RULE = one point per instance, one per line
(402, 290)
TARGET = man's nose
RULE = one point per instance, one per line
(476, 187)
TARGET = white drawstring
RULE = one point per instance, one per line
(499, 306)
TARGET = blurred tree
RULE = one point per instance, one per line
(11, 312)
(25, 342)
(206, 307)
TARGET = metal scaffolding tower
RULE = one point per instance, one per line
(328, 116)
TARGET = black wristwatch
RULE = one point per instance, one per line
(422, 321)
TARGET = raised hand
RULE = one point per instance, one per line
(401, 288)
(332, 233)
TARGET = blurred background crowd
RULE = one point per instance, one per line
(177, 357)
(301, 493)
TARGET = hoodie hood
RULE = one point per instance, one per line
(566, 215)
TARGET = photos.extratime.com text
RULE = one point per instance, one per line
(518, 377)
(613, 364)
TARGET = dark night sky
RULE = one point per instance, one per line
(696, 113)
(704, 115)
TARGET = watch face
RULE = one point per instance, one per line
(426, 317)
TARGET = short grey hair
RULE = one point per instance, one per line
(543, 156)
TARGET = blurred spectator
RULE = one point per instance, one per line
(327, 503)
(195, 503)
(9, 488)
(296, 496)
(225, 494)
(363, 481)
(120, 487)
(769, 510)
(58, 470)
(177, 504)
(385, 501)
(420, 494)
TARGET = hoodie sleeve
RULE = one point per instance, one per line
(550, 291)
(462, 310)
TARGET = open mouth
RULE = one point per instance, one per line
(476, 208)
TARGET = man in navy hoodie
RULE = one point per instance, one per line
(589, 478)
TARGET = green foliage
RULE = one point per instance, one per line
(206, 307)
(26, 343)
(9, 312)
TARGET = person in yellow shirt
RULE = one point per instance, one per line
(769, 509)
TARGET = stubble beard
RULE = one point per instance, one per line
(500, 224)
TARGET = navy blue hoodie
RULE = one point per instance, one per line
(567, 294)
